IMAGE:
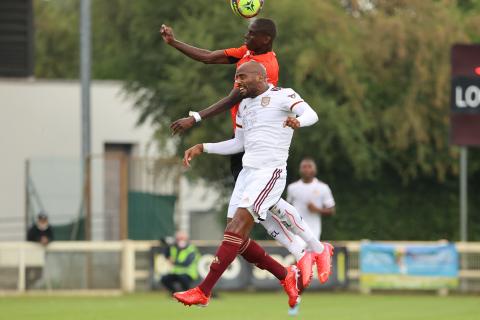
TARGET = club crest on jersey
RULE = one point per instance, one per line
(265, 101)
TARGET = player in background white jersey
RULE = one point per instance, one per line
(312, 197)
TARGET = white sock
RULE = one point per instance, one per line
(294, 222)
(286, 238)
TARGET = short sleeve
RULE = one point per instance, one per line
(237, 53)
(327, 198)
(292, 99)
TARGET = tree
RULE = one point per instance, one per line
(378, 76)
(56, 39)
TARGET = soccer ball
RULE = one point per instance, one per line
(246, 8)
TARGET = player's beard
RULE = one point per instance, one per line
(243, 91)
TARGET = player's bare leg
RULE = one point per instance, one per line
(236, 239)
(292, 220)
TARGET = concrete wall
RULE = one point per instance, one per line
(40, 120)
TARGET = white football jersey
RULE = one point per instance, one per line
(300, 194)
(266, 140)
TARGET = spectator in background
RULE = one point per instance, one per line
(184, 258)
(41, 230)
(312, 197)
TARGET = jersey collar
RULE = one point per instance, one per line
(252, 54)
(270, 87)
(314, 180)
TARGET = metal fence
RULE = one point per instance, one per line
(117, 266)
(94, 204)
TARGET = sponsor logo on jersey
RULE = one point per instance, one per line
(265, 101)
(293, 95)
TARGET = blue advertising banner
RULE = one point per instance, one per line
(408, 267)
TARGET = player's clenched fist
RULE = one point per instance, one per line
(192, 153)
(167, 33)
(292, 122)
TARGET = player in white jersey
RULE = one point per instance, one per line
(285, 221)
(266, 146)
(263, 134)
(312, 197)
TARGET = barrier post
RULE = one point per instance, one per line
(21, 269)
(128, 266)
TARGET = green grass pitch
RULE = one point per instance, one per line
(242, 306)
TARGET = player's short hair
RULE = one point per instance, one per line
(256, 66)
(264, 70)
(266, 26)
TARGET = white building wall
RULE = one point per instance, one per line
(40, 120)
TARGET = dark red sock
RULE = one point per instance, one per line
(253, 253)
(225, 255)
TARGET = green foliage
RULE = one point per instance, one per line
(56, 39)
(379, 80)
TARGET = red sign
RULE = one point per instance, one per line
(465, 95)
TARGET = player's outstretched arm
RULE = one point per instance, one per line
(183, 124)
(227, 147)
(202, 55)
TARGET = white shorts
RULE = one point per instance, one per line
(257, 190)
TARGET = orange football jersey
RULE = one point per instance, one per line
(268, 60)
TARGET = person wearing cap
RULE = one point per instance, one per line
(41, 231)
(184, 259)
